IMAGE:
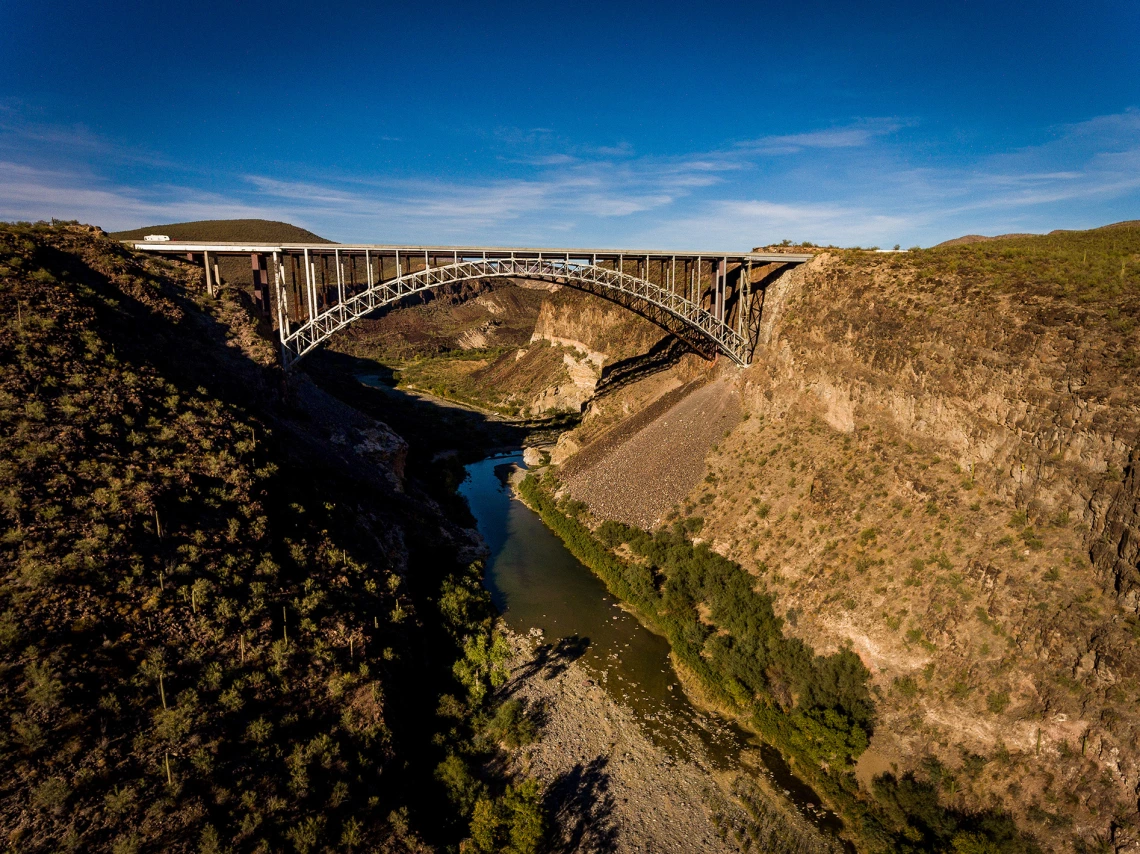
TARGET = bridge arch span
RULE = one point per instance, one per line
(698, 326)
(711, 300)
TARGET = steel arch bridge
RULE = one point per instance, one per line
(711, 301)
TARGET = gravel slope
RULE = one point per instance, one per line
(640, 479)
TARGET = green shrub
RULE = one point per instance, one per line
(510, 824)
(996, 701)
(905, 686)
(513, 724)
(483, 666)
(51, 794)
(462, 788)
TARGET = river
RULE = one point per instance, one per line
(538, 585)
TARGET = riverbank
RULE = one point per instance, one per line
(722, 628)
(791, 821)
(616, 718)
(700, 690)
(610, 787)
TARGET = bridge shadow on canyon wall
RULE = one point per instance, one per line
(661, 356)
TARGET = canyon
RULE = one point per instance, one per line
(902, 546)
(931, 462)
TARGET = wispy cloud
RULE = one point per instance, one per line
(1084, 166)
(731, 225)
(31, 193)
(69, 143)
(850, 183)
(548, 160)
(559, 187)
(855, 135)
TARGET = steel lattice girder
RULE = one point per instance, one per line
(305, 338)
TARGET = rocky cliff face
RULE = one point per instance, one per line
(961, 521)
(936, 466)
(591, 334)
(606, 332)
(1021, 393)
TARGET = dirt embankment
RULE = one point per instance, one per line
(938, 468)
(640, 469)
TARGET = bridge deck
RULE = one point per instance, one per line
(225, 248)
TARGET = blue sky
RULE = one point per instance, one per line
(718, 126)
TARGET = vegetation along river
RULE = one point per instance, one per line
(538, 585)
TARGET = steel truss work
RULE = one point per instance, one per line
(629, 289)
(705, 299)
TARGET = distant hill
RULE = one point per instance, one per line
(967, 239)
(222, 230)
(1128, 223)
(980, 238)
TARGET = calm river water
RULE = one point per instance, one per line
(537, 584)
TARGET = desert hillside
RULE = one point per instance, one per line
(929, 470)
(228, 617)
(934, 466)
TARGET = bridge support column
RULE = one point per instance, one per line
(279, 297)
(339, 276)
(310, 293)
(744, 302)
(718, 291)
(260, 284)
